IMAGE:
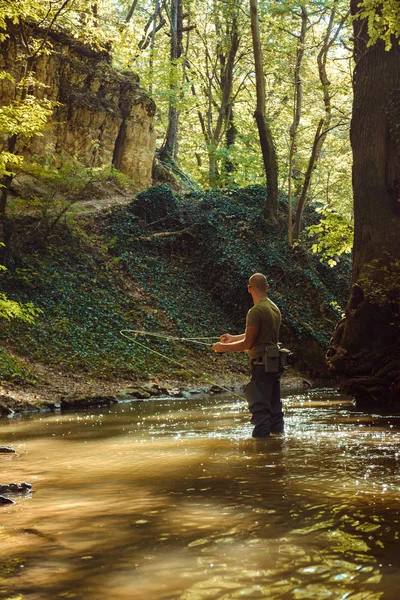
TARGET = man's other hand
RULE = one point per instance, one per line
(218, 347)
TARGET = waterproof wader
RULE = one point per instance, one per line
(264, 401)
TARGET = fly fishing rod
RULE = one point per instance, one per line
(124, 332)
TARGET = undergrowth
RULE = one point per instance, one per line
(165, 264)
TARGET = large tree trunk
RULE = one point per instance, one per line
(365, 349)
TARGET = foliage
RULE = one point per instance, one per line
(9, 309)
(115, 273)
(27, 116)
(58, 184)
(381, 282)
(334, 235)
(12, 369)
(226, 241)
(383, 20)
(140, 43)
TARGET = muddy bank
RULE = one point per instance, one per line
(71, 392)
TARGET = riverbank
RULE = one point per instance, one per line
(70, 391)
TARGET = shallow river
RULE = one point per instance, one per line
(174, 500)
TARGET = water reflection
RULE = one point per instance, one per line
(174, 500)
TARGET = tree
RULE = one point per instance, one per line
(168, 150)
(297, 110)
(332, 32)
(365, 349)
(309, 100)
(211, 72)
(264, 129)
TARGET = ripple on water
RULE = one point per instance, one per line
(174, 500)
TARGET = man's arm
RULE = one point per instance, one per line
(244, 342)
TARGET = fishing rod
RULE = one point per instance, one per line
(173, 360)
(194, 340)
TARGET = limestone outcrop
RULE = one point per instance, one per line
(103, 116)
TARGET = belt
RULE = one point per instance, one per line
(258, 361)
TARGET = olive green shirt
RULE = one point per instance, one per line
(267, 316)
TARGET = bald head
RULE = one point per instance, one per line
(258, 282)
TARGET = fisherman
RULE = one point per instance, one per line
(260, 340)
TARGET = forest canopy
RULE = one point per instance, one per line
(196, 59)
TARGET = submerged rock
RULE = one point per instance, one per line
(76, 402)
(7, 450)
(15, 488)
(4, 500)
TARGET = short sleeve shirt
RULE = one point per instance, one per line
(267, 316)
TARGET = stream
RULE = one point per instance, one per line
(173, 500)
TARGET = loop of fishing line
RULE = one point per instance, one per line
(173, 360)
(193, 340)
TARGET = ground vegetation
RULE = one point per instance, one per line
(163, 264)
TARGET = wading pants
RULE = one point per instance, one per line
(263, 395)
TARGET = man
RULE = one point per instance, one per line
(262, 332)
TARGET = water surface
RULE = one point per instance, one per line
(173, 500)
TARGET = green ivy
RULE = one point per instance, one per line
(116, 273)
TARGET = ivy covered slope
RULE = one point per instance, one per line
(166, 264)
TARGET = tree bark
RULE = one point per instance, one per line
(365, 348)
(264, 130)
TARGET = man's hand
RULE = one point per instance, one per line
(226, 338)
(218, 347)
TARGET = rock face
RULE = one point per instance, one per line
(104, 116)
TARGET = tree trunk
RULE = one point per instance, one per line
(264, 131)
(219, 74)
(365, 348)
(297, 111)
(169, 148)
(229, 166)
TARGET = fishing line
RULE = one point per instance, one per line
(194, 340)
(173, 360)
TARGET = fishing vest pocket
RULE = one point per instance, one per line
(276, 359)
(272, 362)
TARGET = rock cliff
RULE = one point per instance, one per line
(103, 116)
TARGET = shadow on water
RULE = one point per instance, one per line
(174, 500)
